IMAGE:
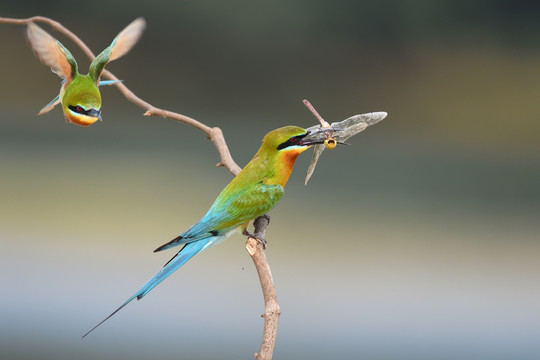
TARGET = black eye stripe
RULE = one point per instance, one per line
(78, 109)
(293, 140)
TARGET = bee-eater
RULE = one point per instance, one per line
(252, 193)
(79, 94)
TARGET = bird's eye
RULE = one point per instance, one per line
(293, 141)
(77, 108)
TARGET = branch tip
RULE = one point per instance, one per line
(323, 123)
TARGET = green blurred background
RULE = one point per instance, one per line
(419, 241)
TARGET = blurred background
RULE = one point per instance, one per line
(419, 241)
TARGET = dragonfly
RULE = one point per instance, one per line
(337, 133)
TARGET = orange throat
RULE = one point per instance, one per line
(286, 163)
(79, 119)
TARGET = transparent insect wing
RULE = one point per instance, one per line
(317, 151)
(355, 124)
(342, 131)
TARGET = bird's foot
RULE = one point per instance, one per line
(259, 238)
(262, 241)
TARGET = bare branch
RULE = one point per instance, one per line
(254, 247)
(324, 124)
(215, 134)
(272, 311)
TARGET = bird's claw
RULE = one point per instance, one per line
(259, 238)
(261, 241)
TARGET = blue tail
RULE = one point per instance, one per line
(186, 253)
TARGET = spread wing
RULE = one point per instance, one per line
(127, 38)
(51, 52)
(120, 46)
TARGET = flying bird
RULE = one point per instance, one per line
(79, 94)
(252, 193)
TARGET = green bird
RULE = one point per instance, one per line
(79, 94)
(252, 193)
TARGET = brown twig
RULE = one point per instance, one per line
(214, 133)
(324, 124)
(254, 247)
(271, 314)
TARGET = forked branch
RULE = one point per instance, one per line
(254, 247)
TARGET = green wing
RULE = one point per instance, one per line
(119, 47)
(232, 210)
(257, 201)
(70, 60)
(97, 66)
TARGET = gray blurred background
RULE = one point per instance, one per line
(419, 241)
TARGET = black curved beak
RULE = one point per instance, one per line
(94, 113)
(312, 138)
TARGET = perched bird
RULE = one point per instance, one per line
(79, 94)
(252, 193)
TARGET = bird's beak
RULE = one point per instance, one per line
(313, 138)
(94, 113)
